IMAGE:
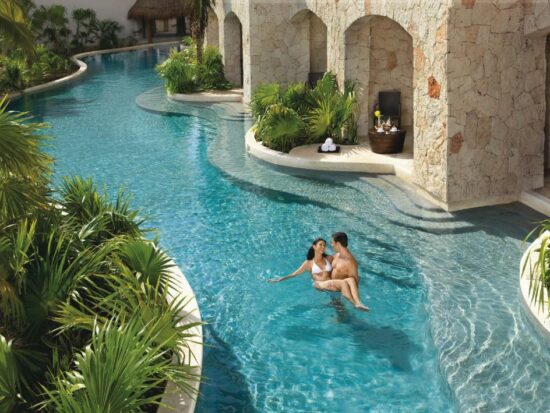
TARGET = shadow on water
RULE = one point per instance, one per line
(383, 341)
(224, 387)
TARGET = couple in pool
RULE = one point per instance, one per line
(332, 273)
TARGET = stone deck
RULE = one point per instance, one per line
(352, 158)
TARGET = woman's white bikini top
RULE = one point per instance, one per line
(316, 270)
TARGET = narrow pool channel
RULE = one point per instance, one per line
(446, 331)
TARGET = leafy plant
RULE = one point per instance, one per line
(324, 111)
(263, 97)
(24, 167)
(86, 28)
(334, 114)
(116, 372)
(51, 26)
(281, 128)
(72, 272)
(183, 74)
(108, 33)
(539, 270)
(211, 74)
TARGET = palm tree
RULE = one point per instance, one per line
(199, 21)
(24, 167)
(14, 27)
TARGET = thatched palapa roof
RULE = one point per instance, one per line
(160, 9)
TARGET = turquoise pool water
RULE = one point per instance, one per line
(446, 331)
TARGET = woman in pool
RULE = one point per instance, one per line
(319, 265)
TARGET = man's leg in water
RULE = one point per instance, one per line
(354, 290)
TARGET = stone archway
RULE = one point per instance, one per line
(213, 30)
(311, 46)
(233, 49)
(379, 57)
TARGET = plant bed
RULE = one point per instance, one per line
(387, 143)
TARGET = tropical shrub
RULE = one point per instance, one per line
(324, 111)
(183, 74)
(108, 33)
(86, 28)
(74, 267)
(281, 128)
(51, 27)
(539, 270)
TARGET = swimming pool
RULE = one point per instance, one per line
(445, 332)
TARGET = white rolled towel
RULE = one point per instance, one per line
(329, 141)
(325, 147)
(332, 147)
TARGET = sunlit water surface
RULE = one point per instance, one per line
(446, 330)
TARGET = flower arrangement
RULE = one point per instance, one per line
(378, 114)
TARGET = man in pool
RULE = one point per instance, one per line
(344, 265)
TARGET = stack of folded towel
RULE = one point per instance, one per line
(328, 146)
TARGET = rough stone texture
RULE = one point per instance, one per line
(496, 100)
(232, 49)
(537, 17)
(478, 129)
(434, 88)
(391, 67)
(212, 30)
(317, 44)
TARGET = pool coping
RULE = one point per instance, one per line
(538, 315)
(82, 68)
(173, 399)
(212, 96)
(293, 159)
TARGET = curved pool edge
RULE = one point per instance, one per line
(537, 315)
(174, 399)
(82, 68)
(214, 96)
(389, 166)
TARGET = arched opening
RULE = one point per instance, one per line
(547, 118)
(311, 46)
(213, 30)
(379, 58)
(233, 49)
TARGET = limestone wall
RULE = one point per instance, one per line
(537, 17)
(231, 48)
(391, 67)
(277, 51)
(233, 53)
(496, 100)
(357, 68)
(212, 37)
(317, 44)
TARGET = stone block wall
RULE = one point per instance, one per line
(357, 68)
(317, 44)
(391, 67)
(233, 52)
(212, 30)
(496, 100)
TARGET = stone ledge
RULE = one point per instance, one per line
(174, 400)
(82, 68)
(538, 315)
(356, 158)
(215, 96)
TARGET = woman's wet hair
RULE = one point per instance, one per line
(311, 251)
